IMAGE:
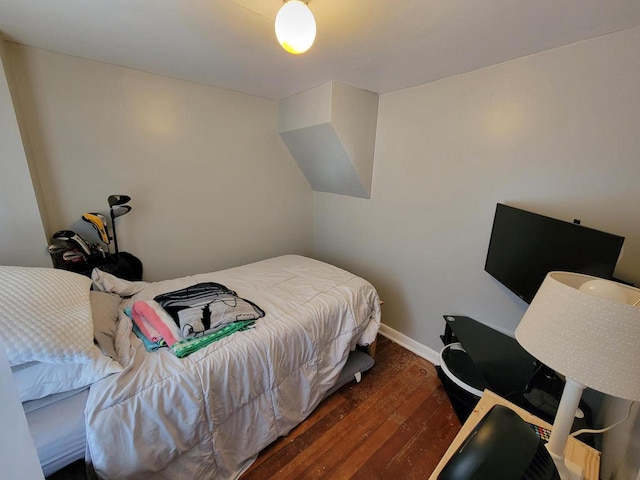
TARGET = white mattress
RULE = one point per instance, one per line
(58, 432)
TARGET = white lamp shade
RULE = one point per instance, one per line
(589, 338)
(295, 27)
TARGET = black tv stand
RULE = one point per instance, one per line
(492, 360)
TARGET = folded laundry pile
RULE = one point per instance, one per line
(191, 318)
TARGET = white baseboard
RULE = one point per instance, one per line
(410, 344)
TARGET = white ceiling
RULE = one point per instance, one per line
(378, 45)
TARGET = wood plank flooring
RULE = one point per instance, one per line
(397, 423)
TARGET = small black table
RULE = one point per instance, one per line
(490, 360)
(495, 361)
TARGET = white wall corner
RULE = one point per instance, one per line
(330, 131)
(354, 116)
(410, 344)
(305, 109)
(22, 237)
(18, 454)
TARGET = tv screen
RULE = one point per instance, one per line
(525, 246)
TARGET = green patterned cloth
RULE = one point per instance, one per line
(186, 347)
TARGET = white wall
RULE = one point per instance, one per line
(213, 186)
(18, 455)
(22, 237)
(622, 443)
(557, 133)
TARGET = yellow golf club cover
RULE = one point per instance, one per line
(99, 224)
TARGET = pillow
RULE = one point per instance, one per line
(104, 311)
(45, 315)
(37, 380)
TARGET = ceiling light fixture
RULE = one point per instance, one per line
(295, 26)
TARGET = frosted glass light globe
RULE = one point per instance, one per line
(295, 27)
(604, 289)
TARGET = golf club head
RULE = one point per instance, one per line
(74, 257)
(118, 200)
(73, 237)
(120, 210)
(99, 222)
(56, 248)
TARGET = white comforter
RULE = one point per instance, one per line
(207, 415)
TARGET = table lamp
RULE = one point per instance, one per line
(587, 329)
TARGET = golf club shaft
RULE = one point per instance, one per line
(115, 237)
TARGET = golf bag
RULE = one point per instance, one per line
(69, 254)
(69, 251)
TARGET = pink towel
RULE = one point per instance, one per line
(154, 322)
(143, 324)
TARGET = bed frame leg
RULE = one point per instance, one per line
(371, 349)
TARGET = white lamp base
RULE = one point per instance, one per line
(567, 469)
(562, 427)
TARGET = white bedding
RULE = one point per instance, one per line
(58, 430)
(207, 415)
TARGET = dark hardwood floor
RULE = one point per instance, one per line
(396, 423)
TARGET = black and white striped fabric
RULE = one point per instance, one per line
(206, 307)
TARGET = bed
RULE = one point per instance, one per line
(151, 414)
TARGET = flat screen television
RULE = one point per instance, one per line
(525, 246)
